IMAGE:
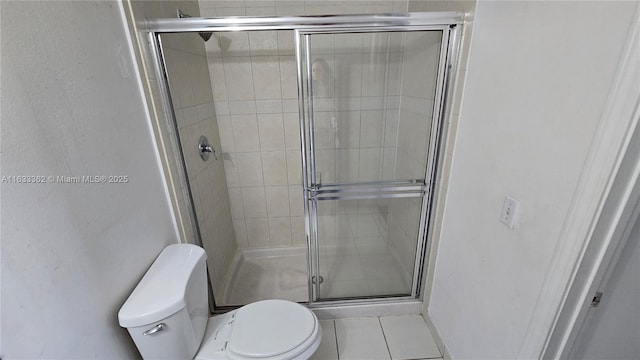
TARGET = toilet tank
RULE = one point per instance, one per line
(167, 312)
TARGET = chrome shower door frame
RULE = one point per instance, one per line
(448, 22)
(313, 192)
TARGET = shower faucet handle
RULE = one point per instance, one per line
(205, 149)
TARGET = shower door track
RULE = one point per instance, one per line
(248, 23)
(447, 22)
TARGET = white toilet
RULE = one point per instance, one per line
(167, 316)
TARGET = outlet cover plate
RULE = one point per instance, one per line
(509, 211)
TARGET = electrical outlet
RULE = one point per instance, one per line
(509, 210)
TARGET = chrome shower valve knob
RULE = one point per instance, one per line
(205, 149)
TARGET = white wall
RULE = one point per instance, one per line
(71, 253)
(536, 82)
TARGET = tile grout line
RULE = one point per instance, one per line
(335, 333)
(385, 337)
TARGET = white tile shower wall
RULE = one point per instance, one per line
(192, 95)
(253, 77)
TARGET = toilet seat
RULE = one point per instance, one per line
(265, 330)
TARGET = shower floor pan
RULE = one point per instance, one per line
(260, 274)
(281, 273)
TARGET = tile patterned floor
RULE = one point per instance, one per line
(387, 337)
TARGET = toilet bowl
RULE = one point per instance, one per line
(168, 318)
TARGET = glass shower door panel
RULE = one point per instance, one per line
(367, 247)
(373, 97)
(370, 111)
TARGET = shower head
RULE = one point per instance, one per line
(204, 35)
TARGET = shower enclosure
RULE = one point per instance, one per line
(332, 202)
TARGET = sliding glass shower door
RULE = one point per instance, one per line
(371, 109)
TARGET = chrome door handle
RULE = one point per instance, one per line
(155, 329)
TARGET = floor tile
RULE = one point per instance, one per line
(409, 338)
(360, 338)
(327, 349)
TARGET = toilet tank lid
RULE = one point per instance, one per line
(161, 292)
